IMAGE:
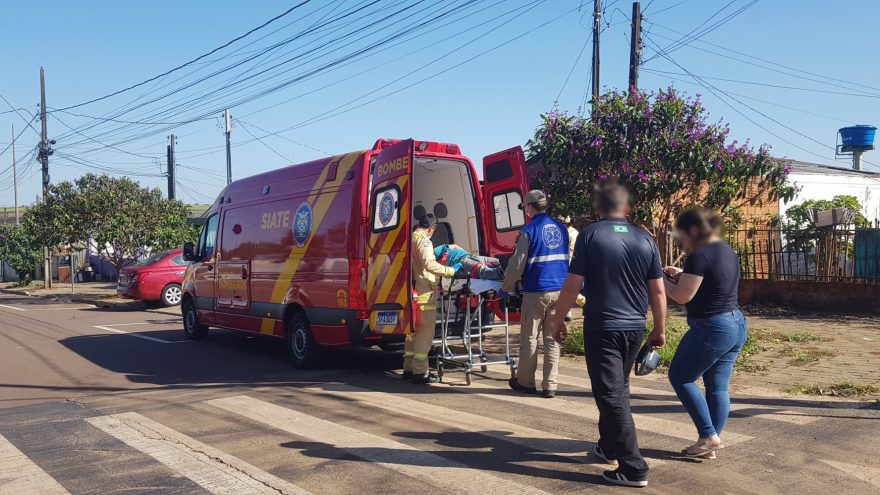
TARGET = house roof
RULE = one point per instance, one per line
(808, 168)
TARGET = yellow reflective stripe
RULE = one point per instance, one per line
(420, 356)
(409, 354)
(427, 307)
(423, 298)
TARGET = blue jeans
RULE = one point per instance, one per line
(708, 350)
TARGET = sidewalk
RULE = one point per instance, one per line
(100, 294)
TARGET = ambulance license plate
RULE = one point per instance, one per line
(386, 318)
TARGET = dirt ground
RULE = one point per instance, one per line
(795, 349)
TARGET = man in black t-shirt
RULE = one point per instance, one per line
(616, 266)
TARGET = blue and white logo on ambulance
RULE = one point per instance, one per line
(552, 235)
(302, 223)
(386, 208)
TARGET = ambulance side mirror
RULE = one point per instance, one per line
(189, 252)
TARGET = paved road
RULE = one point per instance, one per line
(93, 401)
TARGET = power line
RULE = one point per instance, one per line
(667, 8)
(273, 150)
(26, 121)
(268, 133)
(774, 65)
(331, 64)
(779, 86)
(103, 144)
(176, 107)
(574, 65)
(694, 34)
(332, 112)
(203, 96)
(123, 90)
(715, 90)
(801, 110)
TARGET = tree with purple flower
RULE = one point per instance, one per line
(661, 145)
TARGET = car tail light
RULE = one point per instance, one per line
(357, 284)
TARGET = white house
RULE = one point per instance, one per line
(824, 182)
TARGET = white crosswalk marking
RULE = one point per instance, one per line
(20, 476)
(669, 399)
(212, 469)
(864, 473)
(584, 409)
(530, 438)
(425, 466)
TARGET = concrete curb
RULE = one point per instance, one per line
(17, 292)
(110, 304)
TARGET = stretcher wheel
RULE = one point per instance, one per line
(440, 371)
(513, 369)
(467, 378)
(483, 368)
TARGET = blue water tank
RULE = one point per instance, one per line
(858, 136)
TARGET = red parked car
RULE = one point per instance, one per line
(154, 280)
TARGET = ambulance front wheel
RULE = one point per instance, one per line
(304, 351)
(191, 326)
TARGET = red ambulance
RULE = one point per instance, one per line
(319, 253)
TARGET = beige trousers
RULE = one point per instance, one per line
(536, 318)
(418, 344)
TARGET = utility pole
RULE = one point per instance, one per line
(597, 17)
(14, 176)
(45, 151)
(170, 173)
(228, 147)
(635, 47)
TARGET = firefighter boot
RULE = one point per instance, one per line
(425, 379)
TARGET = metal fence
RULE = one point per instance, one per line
(831, 254)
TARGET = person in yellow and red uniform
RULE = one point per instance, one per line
(426, 272)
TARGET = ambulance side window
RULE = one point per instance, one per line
(386, 209)
(508, 215)
(208, 240)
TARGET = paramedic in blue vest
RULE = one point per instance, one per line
(540, 262)
(426, 273)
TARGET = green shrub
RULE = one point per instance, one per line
(574, 343)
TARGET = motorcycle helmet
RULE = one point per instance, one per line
(647, 360)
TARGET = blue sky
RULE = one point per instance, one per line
(92, 48)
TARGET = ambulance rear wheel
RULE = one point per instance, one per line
(191, 326)
(300, 343)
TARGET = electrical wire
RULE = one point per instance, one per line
(717, 93)
(574, 65)
(436, 17)
(778, 86)
(774, 67)
(694, 34)
(273, 150)
(215, 50)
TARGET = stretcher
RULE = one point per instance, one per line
(466, 297)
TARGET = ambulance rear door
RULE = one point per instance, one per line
(389, 282)
(505, 183)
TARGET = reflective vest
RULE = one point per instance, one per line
(547, 263)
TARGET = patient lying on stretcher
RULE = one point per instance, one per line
(472, 266)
